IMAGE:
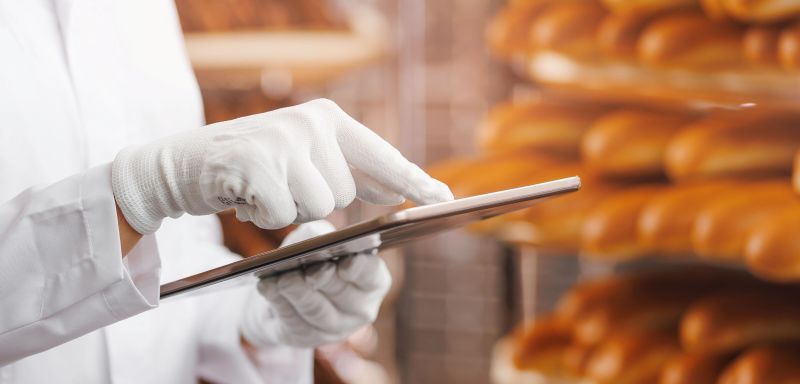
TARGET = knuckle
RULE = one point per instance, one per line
(318, 208)
(326, 104)
(342, 185)
(344, 198)
(281, 219)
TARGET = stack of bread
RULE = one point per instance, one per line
(705, 178)
(695, 34)
(238, 15)
(677, 326)
(667, 183)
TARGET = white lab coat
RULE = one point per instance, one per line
(79, 80)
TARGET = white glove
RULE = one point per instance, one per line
(293, 164)
(325, 303)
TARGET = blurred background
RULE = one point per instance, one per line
(675, 263)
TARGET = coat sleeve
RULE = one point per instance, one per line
(62, 274)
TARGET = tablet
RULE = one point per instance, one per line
(369, 236)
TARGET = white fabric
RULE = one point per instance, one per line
(61, 262)
(79, 80)
(325, 303)
(288, 165)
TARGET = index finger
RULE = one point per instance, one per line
(365, 150)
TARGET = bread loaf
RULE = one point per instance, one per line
(609, 230)
(722, 226)
(760, 11)
(576, 358)
(694, 368)
(540, 345)
(690, 40)
(639, 301)
(630, 143)
(507, 31)
(658, 307)
(789, 47)
(715, 10)
(499, 172)
(544, 127)
(731, 321)
(585, 297)
(216, 16)
(796, 173)
(769, 364)
(772, 250)
(493, 173)
(648, 6)
(568, 27)
(556, 224)
(760, 45)
(632, 358)
(619, 33)
(452, 170)
(747, 144)
(666, 221)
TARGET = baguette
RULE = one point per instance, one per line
(568, 27)
(540, 346)
(658, 307)
(727, 322)
(789, 47)
(760, 45)
(761, 11)
(769, 364)
(648, 6)
(576, 358)
(772, 251)
(452, 170)
(585, 297)
(665, 222)
(507, 31)
(715, 10)
(796, 173)
(694, 368)
(609, 231)
(630, 143)
(722, 226)
(618, 34)
(690, 40)
(632, 358)
(500, 172)
(544, 127)
(746, 144)
(556, 224)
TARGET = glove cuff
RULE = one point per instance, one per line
(159, 180)
(133, 182)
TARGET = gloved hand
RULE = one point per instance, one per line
(293, 164)
(325, 303)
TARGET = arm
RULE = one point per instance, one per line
(128, 237)
(61, 269)
(61, 247)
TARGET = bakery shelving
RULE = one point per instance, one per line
(300, 57)
(687, 162)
